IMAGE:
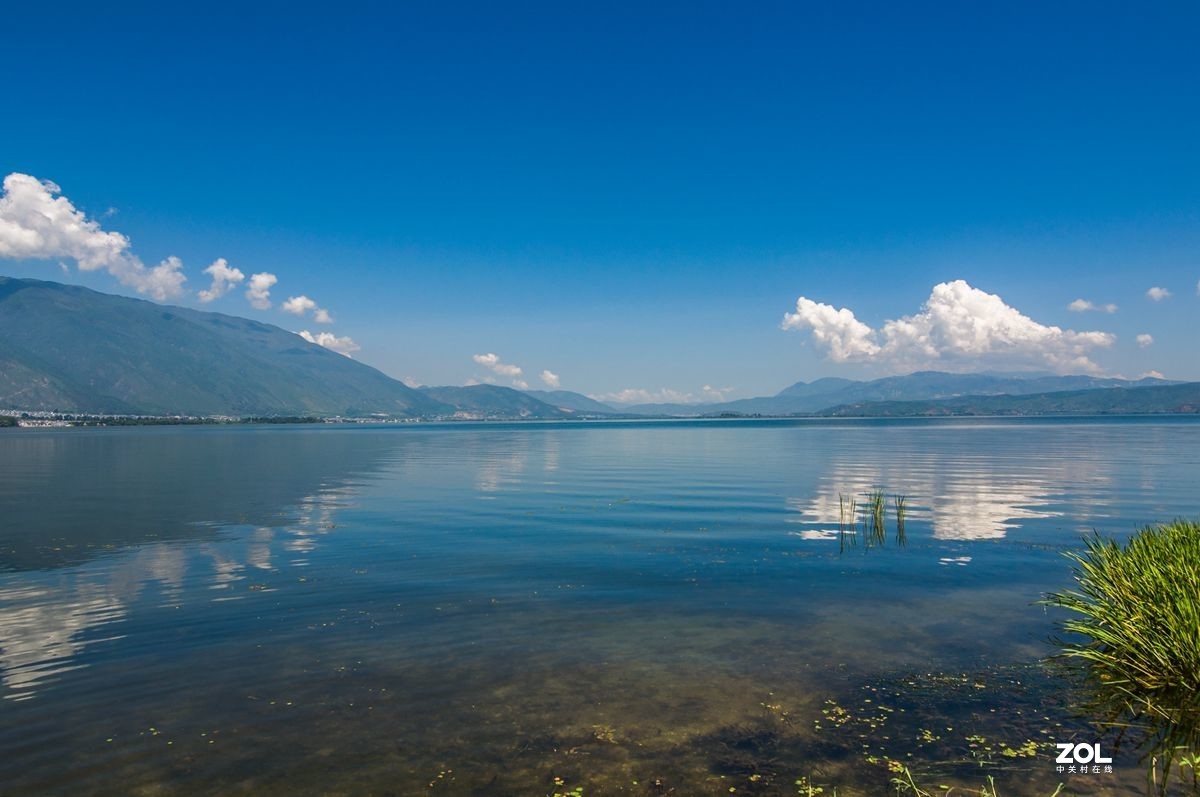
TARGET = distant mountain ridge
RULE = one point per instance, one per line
(494, 401)
(68, 348)
(1175, 399)
(821, 394)
(817, 387)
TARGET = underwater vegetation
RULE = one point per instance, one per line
(905, 784)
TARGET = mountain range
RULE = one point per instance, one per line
(69, 349)
(65, 348)
(1176, 399)
(810, 397)
(493, 401)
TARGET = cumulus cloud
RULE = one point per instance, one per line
(1144, 340)
(224, 279)
(520, 384)
(492, 363)
(958, 328)
(842, 335)
(638, 395)
(258, 289)
(38, 223)
(163, 282)
(1157, 294)
(302, 305)
(1152, 375)
(710, 393)
(298, 305)
(665, 395)
(550, 379)
(1083, 306)
(343, 345)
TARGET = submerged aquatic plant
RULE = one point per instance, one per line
(904, 783)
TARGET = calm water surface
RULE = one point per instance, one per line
(634, 608)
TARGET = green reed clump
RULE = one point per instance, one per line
(1138, 608)
(876, 502)
(901, 506)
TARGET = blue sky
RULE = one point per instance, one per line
(633, 197)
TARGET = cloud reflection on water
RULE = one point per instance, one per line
(46, 627)
(983, 501)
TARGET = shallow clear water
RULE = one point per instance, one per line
(479, 609)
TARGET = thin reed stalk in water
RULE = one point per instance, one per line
(901, 504)
(841, 523)
(847, 520)
(876, 503)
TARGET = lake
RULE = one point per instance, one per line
(523, 608)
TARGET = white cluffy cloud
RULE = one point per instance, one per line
(1157, 294)
(258, 290)
(161, 283)
(665, 395)
(842, 335)
(343, 345)
(301, 305)
(38, 223)
(1083, 306)
(492, 363)
(1145, 339)
(298, 305)
(958, 328)
(224, 279)
(550, 379)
